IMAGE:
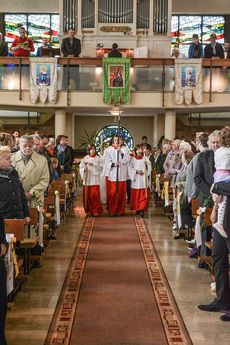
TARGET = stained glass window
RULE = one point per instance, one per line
(108, 132)
(37, 26)
(12, 24)
(215, 25)
(183, 28)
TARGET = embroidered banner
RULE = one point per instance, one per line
(188, 81)
(116, 80)
(43, 79)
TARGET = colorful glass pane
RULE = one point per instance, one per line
(213, 24)
(12, 24)
(183, 28)
(38, 26)
(107, 134)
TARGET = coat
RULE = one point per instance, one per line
(208, 51)
(68, 159)
(3, 48)
(34, 176)
(68, 49)
(13, 202)
(2, 233)
(203, 176)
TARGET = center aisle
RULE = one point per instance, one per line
(116, 303)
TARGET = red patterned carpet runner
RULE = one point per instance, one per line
(116, 292)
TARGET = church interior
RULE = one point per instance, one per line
(114, 176)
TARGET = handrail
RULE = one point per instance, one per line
(98, 61)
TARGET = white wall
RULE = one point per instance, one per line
(29, 6)
(138, 126)
(201, 7)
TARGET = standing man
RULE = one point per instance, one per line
(3, 47)
(71, 47)
(32, 169)
(214, 49)
(45, 44)
(195, 49)
(117, 165)
(3, 291)
(115, 52)
(22, 45)
(144, 144)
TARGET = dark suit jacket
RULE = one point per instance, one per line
(115, 53)
(208, 51)
(68, 49)
(3, 49)
(203, 176)
(2, 233)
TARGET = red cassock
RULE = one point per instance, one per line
(93, 199)
(138, 199)
(116, 201)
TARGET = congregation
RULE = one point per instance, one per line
(197, 168)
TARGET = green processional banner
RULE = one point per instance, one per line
(116, 80)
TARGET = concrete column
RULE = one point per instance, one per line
(169, 17)
(60, 122)
(158, 128)
(69, 131)
(170, 124)
(79, 9)
(134, 17)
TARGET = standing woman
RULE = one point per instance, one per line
(3, 291)
(139, 172)
(91, 167)
(63, 152)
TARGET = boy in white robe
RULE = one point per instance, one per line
(140, 173)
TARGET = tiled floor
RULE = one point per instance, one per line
(28, 321)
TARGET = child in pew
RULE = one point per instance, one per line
(55, 168)
(222, 174)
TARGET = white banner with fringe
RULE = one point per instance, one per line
(188, 81)
(43, 79)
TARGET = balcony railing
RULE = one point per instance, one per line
(146, 75)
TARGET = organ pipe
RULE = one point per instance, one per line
(115, 11)
(160, 16)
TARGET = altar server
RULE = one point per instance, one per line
(117, 159)
(90, 170)
(140, 173)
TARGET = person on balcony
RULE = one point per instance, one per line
(115, 52)
(176, 54)
(22, 45)
(3, 47)
(71, 47)
(214, 49)
(45, 45)
(195, 49)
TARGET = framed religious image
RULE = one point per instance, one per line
(43, 76)
(116, 76)
(188, 76)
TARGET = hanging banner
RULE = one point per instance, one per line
(188, 81)
(43, 79)
(116, 80)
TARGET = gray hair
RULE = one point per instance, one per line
(167, 147)
(28, 138)
(215, 134)
(51, 142)
(186, 146)
(36, 136)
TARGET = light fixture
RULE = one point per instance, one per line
(116, 112)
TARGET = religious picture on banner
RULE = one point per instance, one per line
(116, 76)
(43, 74)
(188, 76)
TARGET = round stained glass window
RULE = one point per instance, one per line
(106, 133)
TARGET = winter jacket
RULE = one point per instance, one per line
(13, 202)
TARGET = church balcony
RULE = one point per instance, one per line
(152, 83)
